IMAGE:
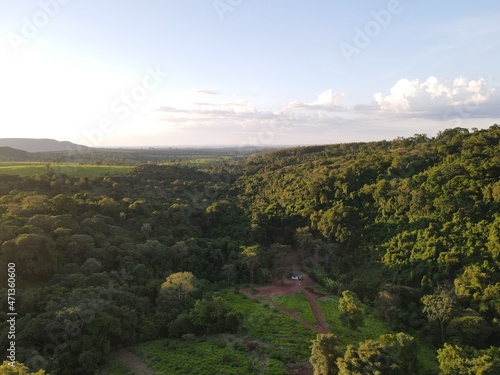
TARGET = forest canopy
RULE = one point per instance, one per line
(404, 224)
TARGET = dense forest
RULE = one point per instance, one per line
(411, 227)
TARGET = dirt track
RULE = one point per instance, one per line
(287, 288)
(132, 361)
(277, 288)
(320, 319)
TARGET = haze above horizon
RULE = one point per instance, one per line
(239, 72)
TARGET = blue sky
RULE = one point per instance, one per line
(246, 72)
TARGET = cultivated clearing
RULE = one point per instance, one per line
(280, 321)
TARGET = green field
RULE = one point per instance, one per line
(87, 170)
(206, 356)
(268, 340)
(275, 338)
(296, 303)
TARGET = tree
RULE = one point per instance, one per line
(470, 328)
(214, 316)
(324, 354)
(438, 307)
(494, 236)
(17, 369)
(471, 282)
(229, 271)
(146, 229)
(277, 254)
(109, 206)
(457, 360)
(35, 204)
(351, 310)
(339, 223)
(390, 354)
(250, 258)
(79, 246)
(36, 252)
(181, 285)
(62, 204)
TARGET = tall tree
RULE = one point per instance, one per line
(324, 354)
(438, 307)
(181, 284)
(229, 272)
(457, 360)
(17, 369)
(250, 258)
(390, 354)
(351, 310)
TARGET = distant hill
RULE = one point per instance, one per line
(12, 154)
(40, 145)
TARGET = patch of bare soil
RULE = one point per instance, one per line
(314, 293)
(132, 361)
(322, 326)
(284, 288)
(288, 287)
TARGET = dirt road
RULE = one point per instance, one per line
(288, 287)
(132, 361)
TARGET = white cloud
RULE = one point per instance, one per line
(411, 106)
(434, 97)
(328, 97)
(205, 92)
(328, 101)
(207, 110)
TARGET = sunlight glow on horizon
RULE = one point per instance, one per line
(168, 74)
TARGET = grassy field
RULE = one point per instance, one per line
(268, 340)
(296, 303)
(205, 356)
(288, 339)
(372, 328)
(32, 169)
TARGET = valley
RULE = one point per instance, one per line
(185, 266)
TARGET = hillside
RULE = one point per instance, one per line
(12, 154)
(40, 145)
(407, 208)
(175, 257)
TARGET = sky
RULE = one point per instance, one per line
(152, 73)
